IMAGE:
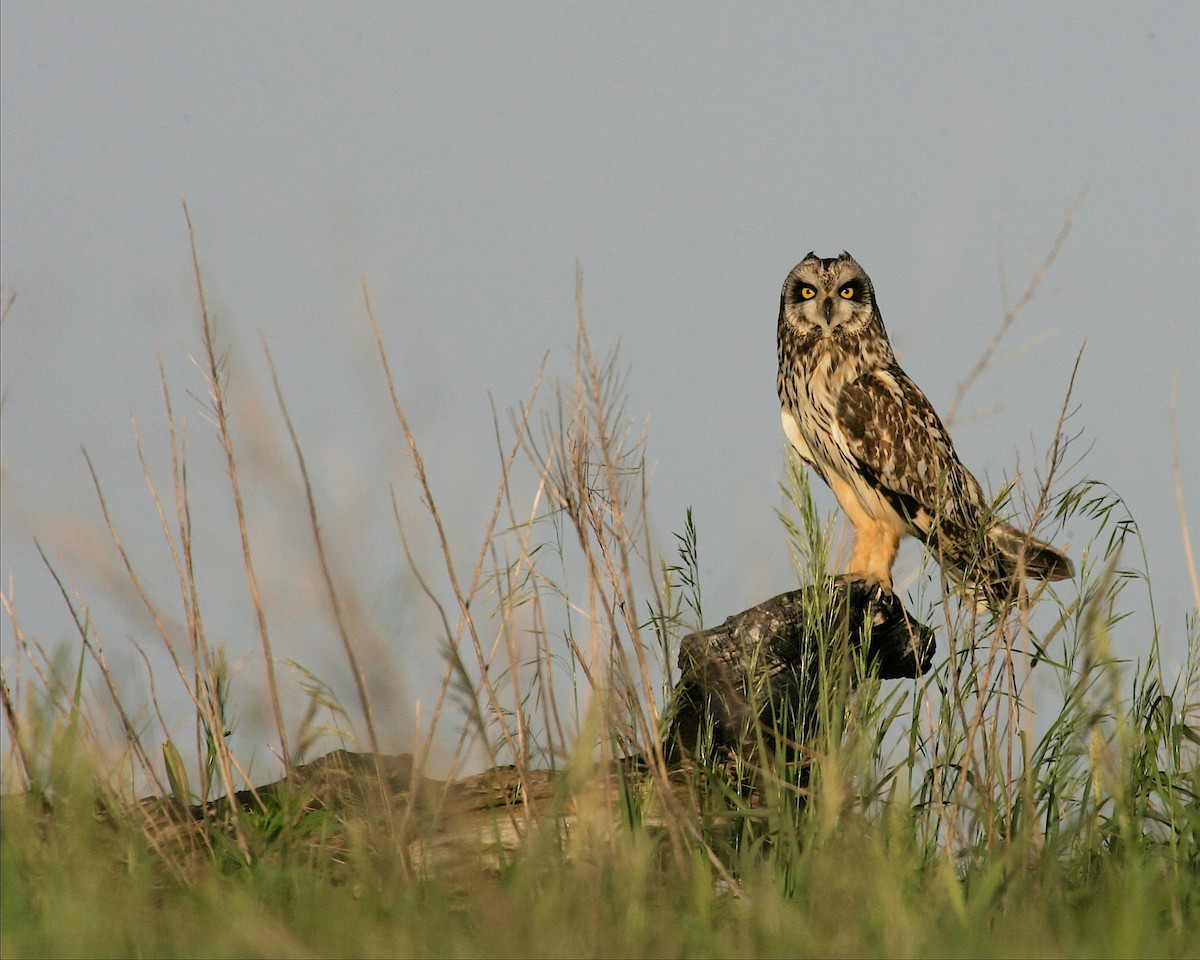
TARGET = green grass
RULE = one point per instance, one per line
(1033, 795)
(74, 886)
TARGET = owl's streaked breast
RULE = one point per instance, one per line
(811, 382)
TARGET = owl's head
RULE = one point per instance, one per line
(829, 298)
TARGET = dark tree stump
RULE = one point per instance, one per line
(756, 678)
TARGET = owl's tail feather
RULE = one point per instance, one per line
(1022, 553)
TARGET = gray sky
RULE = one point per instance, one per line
(462, 159)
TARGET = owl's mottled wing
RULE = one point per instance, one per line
(900, 443)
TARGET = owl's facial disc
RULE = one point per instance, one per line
(824, 298)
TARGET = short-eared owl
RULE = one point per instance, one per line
(857, 419)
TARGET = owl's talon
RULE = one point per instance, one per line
(876, 590)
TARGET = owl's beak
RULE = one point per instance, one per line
(827, 309)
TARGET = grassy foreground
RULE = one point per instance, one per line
(1033, 795)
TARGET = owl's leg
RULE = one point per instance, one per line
(876, 544)
(876, 541)
(885, 544)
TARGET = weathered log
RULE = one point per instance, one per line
(455, 830)
(757, 677)
(753, 679)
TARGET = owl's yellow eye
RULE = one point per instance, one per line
(807, 292)
(847, 292)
